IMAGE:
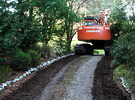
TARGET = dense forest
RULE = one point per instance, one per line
(35, 29)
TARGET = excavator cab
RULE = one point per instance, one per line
(90, 21)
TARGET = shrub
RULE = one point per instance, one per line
(129, 76)
(123, 50)
(35, 58)
(124, 58)
(21, 61)
(44, 51)
(4, 72)
(59, 51)
(13, 52)
(2, 60)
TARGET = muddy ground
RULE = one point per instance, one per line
(104, 87)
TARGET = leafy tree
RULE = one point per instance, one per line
(7, 39)
(123, 47)
(70, 18)
(26, 26)
(51, 14)
(47, 15)
(18, 29)
(118, 18)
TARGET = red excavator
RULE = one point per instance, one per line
(97, 32)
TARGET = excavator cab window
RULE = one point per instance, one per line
(89, 23)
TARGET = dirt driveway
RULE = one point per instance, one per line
(76, 83)
(71, 78)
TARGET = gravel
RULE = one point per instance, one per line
(80, 88)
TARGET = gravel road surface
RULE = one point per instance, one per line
(79, 88)
(82, 83)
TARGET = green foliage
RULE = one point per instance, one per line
(129, 75)
(21, 61)
(35, 58)
(7, 40)
(4, 72)
(118, 14)
(15, 51)
(2, 60)
(59, 51)
(123, 47)
(120, 71)
(118, 18)
(36, 21)
(27, 27)
(17, 30)
(123, 50)
(44, 51)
